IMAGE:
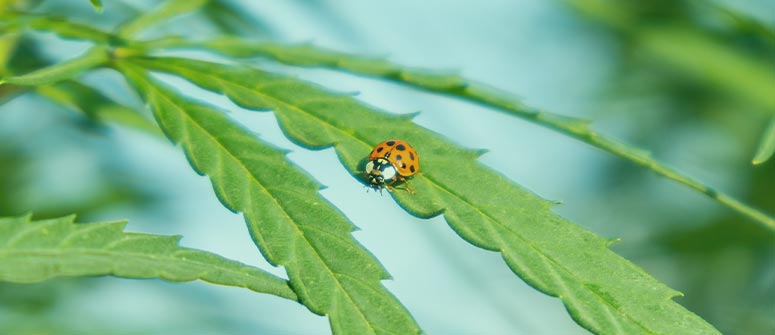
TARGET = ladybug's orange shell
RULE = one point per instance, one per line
(399, 153)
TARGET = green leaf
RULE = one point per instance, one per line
(96, 105)
(290, 222)
(33, 251)
(57, 25)
(97, 4)
(750, 78)
(164, 12)
(8, 44)
(456, 86)
(307, 55)
(66, 70)
(602, 291)
(766, 145)
(231, 18)
(677, 44)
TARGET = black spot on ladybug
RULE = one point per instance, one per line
(403, 165)
(411, 155)
(380, 149)
(400, 147)
(398, 158)
(411, 168)
(390, 143)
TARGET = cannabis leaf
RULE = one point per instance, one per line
(456, 86)
(290, 222)
(165, 11)
(95, 105)
(33, 251)
(678, 45)
(65, 70)
(766, 144)
(97, 4)
(603, 292)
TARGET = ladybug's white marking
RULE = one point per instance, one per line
(380, 172)
(389, 173)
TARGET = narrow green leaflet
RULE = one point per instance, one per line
(8, 43)
(165, 11)
(33, 251)
(290, 222)
(308, 55)
(94, 57)
(456, 86)
(602, 291)
(60, 26)
(97, 4)
(766, 145)
(231, 18)
(748, 77)
(678, 44)
(95, 105)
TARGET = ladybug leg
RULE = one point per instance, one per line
(406, 184)
(409, 189)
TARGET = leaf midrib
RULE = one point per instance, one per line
(284, 212)
(439, 186)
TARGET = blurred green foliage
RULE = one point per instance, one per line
(686, 68)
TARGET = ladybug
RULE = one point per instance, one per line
(391, 161)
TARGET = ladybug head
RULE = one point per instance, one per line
(379, 171)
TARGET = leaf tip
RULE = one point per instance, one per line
(759, 160)
(97, 5)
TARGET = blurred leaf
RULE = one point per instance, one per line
(28, 308)
(732, 70)
(233, 19)
(97, 4)
(25, 56)
(164, 12)
(603, 292)
(766, 145)
(744, 23)
(71, 30)
(57, 25)
(687, 48)
(33, 251)
(288, 219)
(456, 86)
(66, 70)
(13, 164)
(8, 44)
(738, 298)
(96, 105)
